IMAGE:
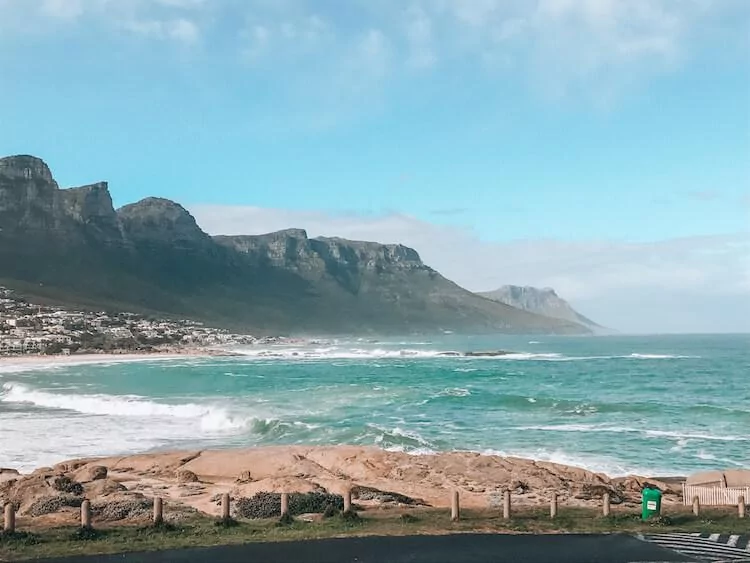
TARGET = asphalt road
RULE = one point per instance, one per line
(462, 548)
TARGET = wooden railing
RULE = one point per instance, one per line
(714, 496)
(697, 495)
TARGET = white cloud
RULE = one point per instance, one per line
(161, 19)
(420, 39)
(181, 30)
(63, 9)
(678, 285)
(373, 53)
(279, 38)
(592, 47)
(185, 4)
(595, 49)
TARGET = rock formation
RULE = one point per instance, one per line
(376, 477)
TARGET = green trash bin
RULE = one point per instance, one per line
(651, 503)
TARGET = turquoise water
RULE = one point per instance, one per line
(654, 405)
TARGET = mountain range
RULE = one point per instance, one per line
(71, 246)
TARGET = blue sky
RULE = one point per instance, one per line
(580, 125)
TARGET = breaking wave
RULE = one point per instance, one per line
(400, 440)
(211, 418)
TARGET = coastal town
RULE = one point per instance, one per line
(33, 329)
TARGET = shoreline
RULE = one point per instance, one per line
(674, 478)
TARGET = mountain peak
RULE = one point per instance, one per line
(542, 301)
(160, 220)
(25, 167)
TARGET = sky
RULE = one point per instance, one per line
(600, 147)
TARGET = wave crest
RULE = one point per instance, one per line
(211, 418)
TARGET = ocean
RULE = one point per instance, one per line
(653, 405)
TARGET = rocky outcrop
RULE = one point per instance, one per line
(544, 301)
(158, 221)
(375, 477)
(151, 256)
(33, 208)
(28, 197)
(90, 208)
(343, 260)
(91, 473)
(28, 170)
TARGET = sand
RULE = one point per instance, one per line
(196, 479)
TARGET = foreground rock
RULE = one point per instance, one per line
(122, 487)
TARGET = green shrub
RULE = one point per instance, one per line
(268, 505)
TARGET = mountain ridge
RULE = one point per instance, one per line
(73, 246)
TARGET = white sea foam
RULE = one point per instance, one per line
(711, 457)
(695, 436)
(411, 451)
(32, 363)
(337, 353)
(597, 464)
(634, 356)
(680, 445)
(660, 357)
(333, 353)
(454, 392)
(211, 418)
(358, 353)
(388, 434)
(630, 430)
(530, 356)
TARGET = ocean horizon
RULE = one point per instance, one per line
(635, 404)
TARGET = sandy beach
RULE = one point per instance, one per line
(196, 479)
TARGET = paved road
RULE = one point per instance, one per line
(463, 548)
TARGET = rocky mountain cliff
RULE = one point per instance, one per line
(72, 246)
(541, 301)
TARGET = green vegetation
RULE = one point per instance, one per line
(203, 531)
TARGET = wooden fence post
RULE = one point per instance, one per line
(696, 506)
(284, 504)
(158, 510)
(86, 514)
(348, 500)
(741, 507)
(455, 509)
(605, 505)
(225, 507)
(506, 505)
(553, 506)
(10, 518)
